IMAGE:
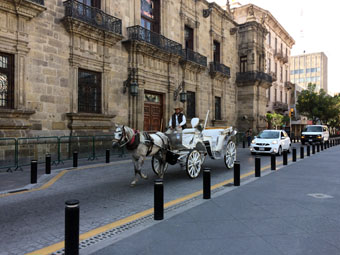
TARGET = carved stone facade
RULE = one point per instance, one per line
(278, 44)
(55, 42)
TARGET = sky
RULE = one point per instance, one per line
(313, 26)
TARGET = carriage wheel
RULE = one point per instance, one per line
(230, 155)
(156, 165)
(194, 163)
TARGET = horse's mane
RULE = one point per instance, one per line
(129, 132)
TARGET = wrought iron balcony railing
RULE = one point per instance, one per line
(141, 34)
(253, 76)
(41, 2)
(218, 67)
(280, 106)
(193, 56)
(288, 85)
(273, 75)
(92, 16)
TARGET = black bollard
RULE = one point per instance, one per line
(318, 148)
(243, 144)
(48, 164)
(72, 227)
(75, 159)
(34, 171)
(237, 173)
(158, 200)
(257, 166)
(308, 150)
(322, 144)
(330, 143)
(206, 184)
(107, 156)
(285, 156)
(302, 152)
(294, 154)
(273, 161)
(313, 148)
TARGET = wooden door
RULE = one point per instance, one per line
(153, 112)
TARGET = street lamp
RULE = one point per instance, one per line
(183, 96)
(134, 88)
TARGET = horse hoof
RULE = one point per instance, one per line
(133, 183)
(144, 176)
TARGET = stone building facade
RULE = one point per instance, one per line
(278, 45)
(77, 67)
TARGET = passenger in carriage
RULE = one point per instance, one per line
(177, 121)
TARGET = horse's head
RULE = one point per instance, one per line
(119, 136)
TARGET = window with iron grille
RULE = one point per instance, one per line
(218, 115)
(191, 104)
(6, 81)
(89, 91)
(189, 37)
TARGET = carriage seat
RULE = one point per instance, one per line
(215, 136)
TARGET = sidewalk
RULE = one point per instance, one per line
(294, 210)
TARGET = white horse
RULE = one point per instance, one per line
(141, 145)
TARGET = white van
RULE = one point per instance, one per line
(315, 134)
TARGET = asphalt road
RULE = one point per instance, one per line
(34, 220)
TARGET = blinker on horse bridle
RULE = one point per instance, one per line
(123, 136)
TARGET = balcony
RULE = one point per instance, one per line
(141, 34)
(278, 55)
(219, 68)
(288, 85)
(285, 59)
(273, 75)
(41, 2)
(195, 57)
(27, 9)
(253, 76)
(280, 106)
(76, 11)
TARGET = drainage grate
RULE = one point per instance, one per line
(129, 226)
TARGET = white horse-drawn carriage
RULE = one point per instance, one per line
(190, 148)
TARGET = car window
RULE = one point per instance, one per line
(325, 129)
(282, 135)
(269, 135)
(313, 129)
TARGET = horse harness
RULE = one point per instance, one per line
(135, 141)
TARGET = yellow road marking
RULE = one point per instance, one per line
(58, 246)
(58, 176)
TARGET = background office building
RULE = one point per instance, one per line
(309, 68)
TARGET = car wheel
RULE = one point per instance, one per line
(303, 143)
(279, 153)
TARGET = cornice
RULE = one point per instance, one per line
(24, 8)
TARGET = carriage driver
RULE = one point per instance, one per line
(177, 121)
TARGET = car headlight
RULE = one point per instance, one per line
(319, 136)
(302, 136)
(274, 142)
(253, 142)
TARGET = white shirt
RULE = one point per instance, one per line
(184, 120)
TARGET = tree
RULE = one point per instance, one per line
(275, 119)
(307, 103)
(318, 107)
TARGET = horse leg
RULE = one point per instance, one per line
(138, 165)
(135, 179)
(139, 169)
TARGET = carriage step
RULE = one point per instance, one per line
(207, 146)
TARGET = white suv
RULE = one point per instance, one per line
(315, 134)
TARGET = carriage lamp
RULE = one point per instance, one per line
(134, 88)
(183, 96)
